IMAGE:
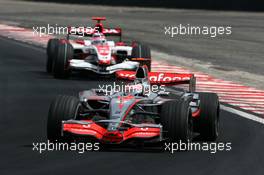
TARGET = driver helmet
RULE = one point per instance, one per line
(98, 38)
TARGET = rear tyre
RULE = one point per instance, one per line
(51, 53)
(61, 63)
(176, 119)
(62, 108)
(208, 122)
(142, 51)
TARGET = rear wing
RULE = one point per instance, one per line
(162, 78)
(89, 31)
(99, 27)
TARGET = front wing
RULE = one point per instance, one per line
(90, 129)
(84, 65)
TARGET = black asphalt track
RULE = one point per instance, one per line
(25, 95)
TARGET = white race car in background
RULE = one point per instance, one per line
(93, 52)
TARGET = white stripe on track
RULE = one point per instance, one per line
(243, 114)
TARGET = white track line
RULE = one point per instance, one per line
(243, 114)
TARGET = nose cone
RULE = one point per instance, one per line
(112, 137)
(104, 62)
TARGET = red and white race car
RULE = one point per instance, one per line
(93, 52)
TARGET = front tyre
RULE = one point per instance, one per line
(62, 108)
(208, 122)
(61, 63)
(176, 119)
(51, 53)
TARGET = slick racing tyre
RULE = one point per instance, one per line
(176, 119)
(207, 124)
(61, 63)
(141, 51)
(62, 108)
(51, 53)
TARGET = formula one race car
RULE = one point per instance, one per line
(138, 114)
(92, 51)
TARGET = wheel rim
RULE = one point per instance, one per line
(217, 122)
(78, 110)
(190, 126)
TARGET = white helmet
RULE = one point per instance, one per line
(98, 38)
